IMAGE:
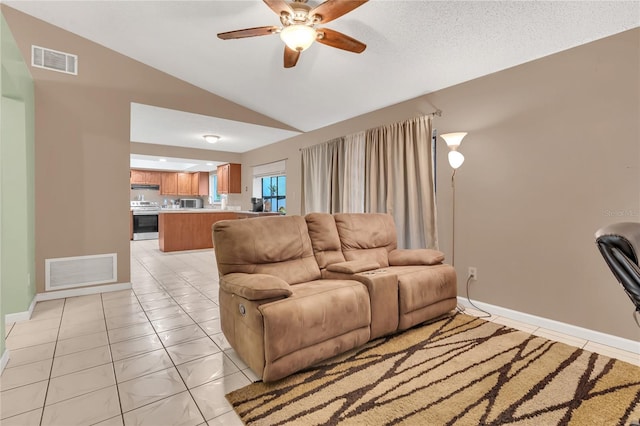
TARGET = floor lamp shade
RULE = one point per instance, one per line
(453, 140)
(455, 159)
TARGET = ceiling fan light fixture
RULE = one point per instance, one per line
(298, 36)
(211, 138)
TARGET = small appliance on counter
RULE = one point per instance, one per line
(190, 203)
(256, 204)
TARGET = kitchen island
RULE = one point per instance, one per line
(190, 229)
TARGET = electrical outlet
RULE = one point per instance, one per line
(473, 272)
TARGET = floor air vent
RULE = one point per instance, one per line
(50, 59)
(69, 272)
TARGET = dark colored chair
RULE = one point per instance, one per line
(619, 244)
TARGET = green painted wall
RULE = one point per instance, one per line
(17, 186)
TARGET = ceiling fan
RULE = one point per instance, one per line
(299, 27)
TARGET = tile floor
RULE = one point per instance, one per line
(151, 356)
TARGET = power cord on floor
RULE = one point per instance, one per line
(461, 309)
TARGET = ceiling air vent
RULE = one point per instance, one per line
(53, 60)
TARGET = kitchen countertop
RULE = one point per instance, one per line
(205, 210)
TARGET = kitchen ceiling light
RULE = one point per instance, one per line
(298, 36)
(162, 159)
(211, 138)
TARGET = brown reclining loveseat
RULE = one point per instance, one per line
(298, 290)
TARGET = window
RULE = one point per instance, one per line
(274, 190)
(213, 187)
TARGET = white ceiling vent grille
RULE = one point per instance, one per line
(69, 272)
(54, 60)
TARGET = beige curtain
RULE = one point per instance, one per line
(351, 173)
(320, 177)
(399, 180)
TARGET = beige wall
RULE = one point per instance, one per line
(82, 141)
(553, 153)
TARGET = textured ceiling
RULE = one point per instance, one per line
(413, 47)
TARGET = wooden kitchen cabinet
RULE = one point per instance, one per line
(169, 184)
(200, 184)
(184, 184)
(229, 179)
(146, 177)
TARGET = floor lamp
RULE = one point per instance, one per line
(456, 159)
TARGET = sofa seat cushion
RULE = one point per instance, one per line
(420, 286)
(315, 312)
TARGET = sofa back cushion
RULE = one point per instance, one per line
(366, 236)
(325, 240)
(276, 245)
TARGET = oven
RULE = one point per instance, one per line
(145, 220)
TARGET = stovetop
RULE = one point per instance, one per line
(144, 206)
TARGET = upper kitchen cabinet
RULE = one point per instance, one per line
(229, 176)
(200, 184)
(184, 184)
(145, 177)
(169, 183)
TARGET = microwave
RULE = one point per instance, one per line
(191, 203)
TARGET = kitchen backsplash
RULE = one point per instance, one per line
(154, 195)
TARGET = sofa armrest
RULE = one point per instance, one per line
(353, 266)
(403, 257)
(255, 286)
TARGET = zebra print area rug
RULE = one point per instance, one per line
(459, 370)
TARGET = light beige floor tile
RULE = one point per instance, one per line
(235, 358)
(70, 330)
(211, 327)
(7, 329)
(518, 325)
(31, 354)
(30, 418)
(17, 341)
(150, 297)
(130, 332)
(149, 388)
(203, 370)
(206, 315)
(125, 320)
(115, 303)
(118, 310)
(253, 377)
(79, 383)
(227, 419)
(81, 343)
(210, 396)
(189, 298)
(117, 295)
(199, 306)
(77, 361)
(181, 335)
(20, 400)
(25, 374)
(86, 409)
(135, 346)
(193, 349)
(221, 341)
(172, 311)
(140, 365)
(613, 352)
(113, 421)
(171, 323)
(560, 337)
(48, 309)
(33, 325)
(179, 409)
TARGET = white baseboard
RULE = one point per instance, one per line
(561, 327)
(20, 316)
(4, 359)
(84, 291)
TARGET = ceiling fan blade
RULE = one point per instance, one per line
(338, 40)
(290, 57)
(249, 32)
(332, 9)
(279, 6)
